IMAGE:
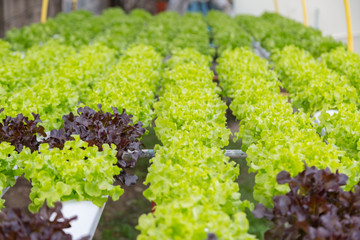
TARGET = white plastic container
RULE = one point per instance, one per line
(4, 191)
(88, 217)
(317, 121)
(7, 188)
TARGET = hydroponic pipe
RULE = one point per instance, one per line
(149, 153)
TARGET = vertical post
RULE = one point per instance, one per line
(74, 5)
(44, 10)
(276, 6)
(305, 13)
(2, 19)
(317, 13)
(349, 27)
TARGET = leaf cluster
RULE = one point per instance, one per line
(21, 132)
(191, 181)
(160, 32)
(76, 172)
(75, 29)
(48, 223)
(316, 207)
(120, 30)
(274, 137)
(98, 128)
(8, 167)
(311, 84)
(226, 33)
(345, 63)
(22, 70)
(256, 26)
(193, 33)
(131, 84)
(342, 129)
(274, 31)
(4, 50)
(60, 89)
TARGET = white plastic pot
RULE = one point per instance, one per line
(317, 121)
(4, 191)
(7, 188)
(88, 217)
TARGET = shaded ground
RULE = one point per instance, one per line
(18, 195)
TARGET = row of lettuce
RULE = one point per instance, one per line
(53, 80)
(81, 28)
(77, 160)
(191, 181)
(58, 77)
(329, 84)
(274, 137)
(166, 32)
(274, 31)
(169, 31)
(280, 139)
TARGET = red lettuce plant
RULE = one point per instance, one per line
(21, 132)
(98, 128)
(316, 207)
(47, 224)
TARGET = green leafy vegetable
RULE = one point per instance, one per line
(8, 167)
(131, 84)
(226, 33)
(346, 63)
(312, 85)
(76, 172)
(274, 137)
(191, 181)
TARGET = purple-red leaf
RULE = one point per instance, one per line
(283, 177)
(316, 207)
(98, 128)
(21, 132)
(47, 224)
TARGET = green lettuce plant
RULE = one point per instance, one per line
(160, 32)
(254, 25)
(120, 30)
(23, 70)
(8, 167)
(343, 129)
(191, 181)
(58, 91)
(192, 221)
(4, 50)
(76, 172)
(131, 84)
(73, 29)
(226, 33)
(274, 137)
(284, 31)
(345, 63)
(193, 33)
(312, 85)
